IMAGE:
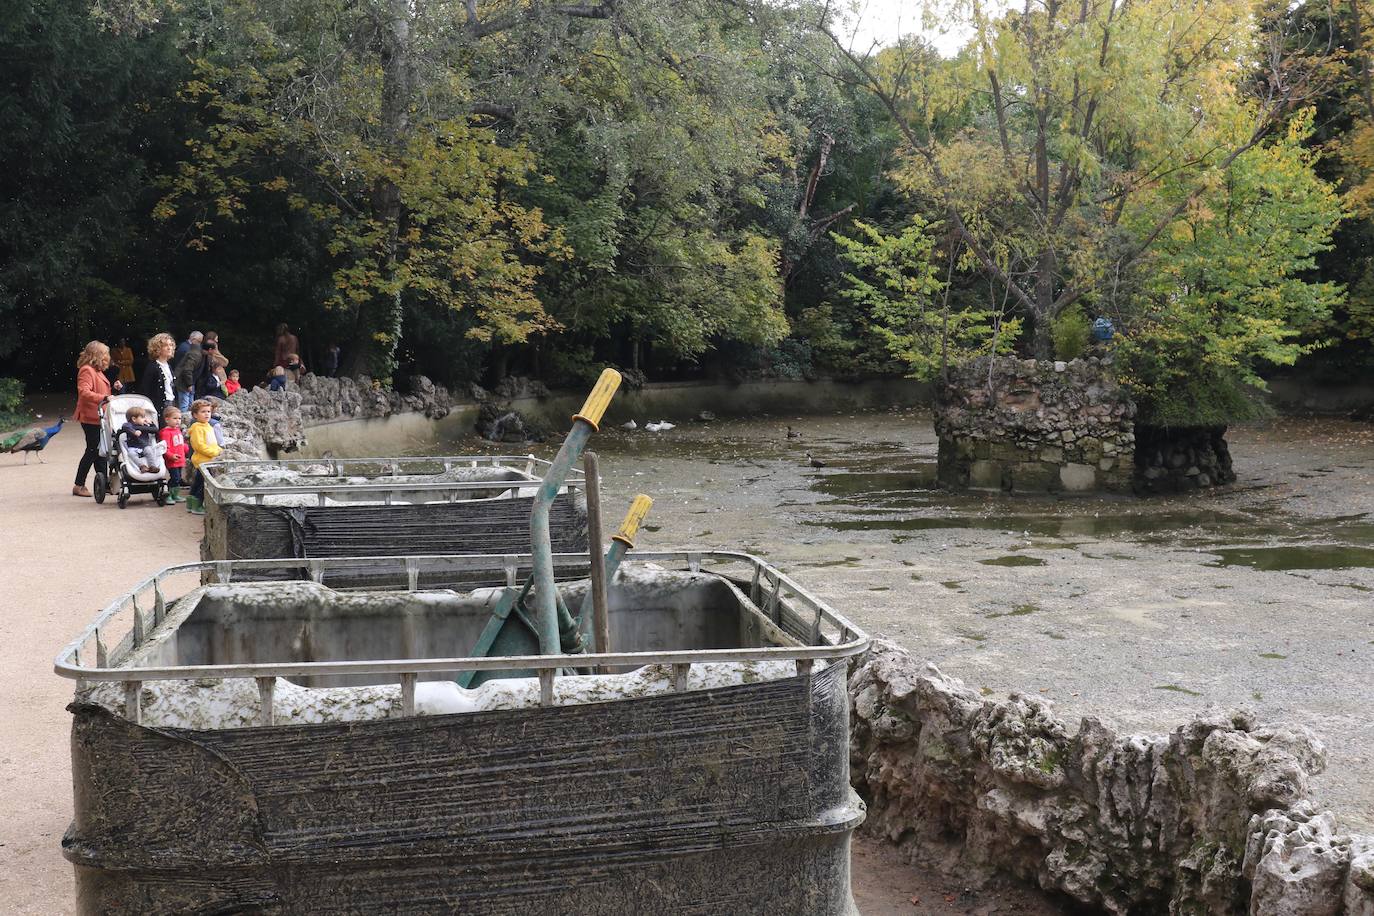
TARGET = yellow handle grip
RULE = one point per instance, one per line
(600, 398)
(633, 519)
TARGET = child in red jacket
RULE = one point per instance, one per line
(175, 455)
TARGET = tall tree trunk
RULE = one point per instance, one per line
(397, 88)
(1042, 341)
(1042, 331)
(1357, 41)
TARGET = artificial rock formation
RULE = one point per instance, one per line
(1211, 818)
(265, 424)
(1175, 460)
(324, 399)
(261, 423)
(497, 418)
(1035, 426)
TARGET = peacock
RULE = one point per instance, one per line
(30, 439)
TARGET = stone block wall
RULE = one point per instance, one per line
(1035, 427)
(1211, 818)
(1176, 460)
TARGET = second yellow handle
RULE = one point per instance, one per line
(633, 519)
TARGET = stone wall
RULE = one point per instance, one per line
(1035, 427)
(1211, 818)
(263, 424)
(326, 400)
(1171, 460)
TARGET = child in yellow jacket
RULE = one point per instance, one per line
(204, 447)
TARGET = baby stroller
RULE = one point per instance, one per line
(124, 476)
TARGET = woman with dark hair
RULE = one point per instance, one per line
(92, 390)
(206, 382)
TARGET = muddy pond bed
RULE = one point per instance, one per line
(1143, 611)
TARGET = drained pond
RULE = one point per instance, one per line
(1143, 612)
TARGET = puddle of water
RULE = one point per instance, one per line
(873, 483)
(1276, 559)
(1014, 561)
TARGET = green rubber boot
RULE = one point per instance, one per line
(174, 494)
(195, 506)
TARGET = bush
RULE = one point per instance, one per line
(1072, 332)
(12, 411)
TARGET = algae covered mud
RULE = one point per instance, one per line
(1143, 612)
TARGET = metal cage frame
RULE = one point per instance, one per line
(217, 488)
(829, 636)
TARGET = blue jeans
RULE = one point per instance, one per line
(184, 399)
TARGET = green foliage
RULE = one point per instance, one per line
(895, 282)
(12, 403)
(1228, 292)
(682, 187)
(413, 212)
(80, 110)
(1072, 333)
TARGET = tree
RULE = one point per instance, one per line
(896, 283)
(80, 110)
(322, 102)
(1227, 290)
(1071, 135)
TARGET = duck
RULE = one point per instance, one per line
(814, 462)
(659, 426)
(629, 425)
(30, 439)
(793, 434)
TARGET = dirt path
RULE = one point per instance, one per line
(63, 558)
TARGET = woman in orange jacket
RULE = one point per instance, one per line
(92, 390)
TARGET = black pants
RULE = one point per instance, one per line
(197, 484)
(91, 455)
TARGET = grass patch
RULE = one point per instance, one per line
(1177, 689)
(1021, 610)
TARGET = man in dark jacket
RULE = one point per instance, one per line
(187, 370)
(184, 346)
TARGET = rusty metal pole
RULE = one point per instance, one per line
(601, 623)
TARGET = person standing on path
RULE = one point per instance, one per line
(92, 390)
(186, 369)
(123, 358)
(331, 360)
(156, 384)
(286, 345)
(204, 449)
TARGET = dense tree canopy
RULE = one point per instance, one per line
(474, 188)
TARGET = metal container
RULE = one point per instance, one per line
(382, 507)
(283, 747)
